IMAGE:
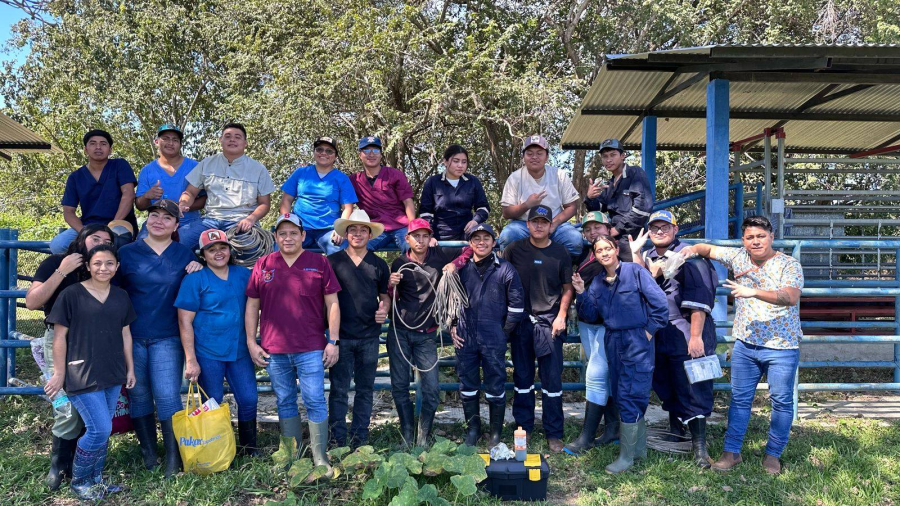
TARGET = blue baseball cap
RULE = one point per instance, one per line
(482, 227)
(168, 127)
(369, 141)
(665, 216)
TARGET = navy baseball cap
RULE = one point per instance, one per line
(665, 216)
(168, 127)
(369, 141)
(540, 212)
(611, 144)
(482, 227)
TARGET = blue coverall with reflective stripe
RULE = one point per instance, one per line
(496, 305)
(631, 306)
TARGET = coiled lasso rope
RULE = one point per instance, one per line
(449, 300)
(250, 245)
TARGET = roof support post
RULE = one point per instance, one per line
(648, 151)
(717, 153)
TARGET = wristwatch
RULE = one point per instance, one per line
(336, 342)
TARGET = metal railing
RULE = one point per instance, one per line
(11, 339)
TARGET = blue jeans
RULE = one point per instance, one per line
(358, 360)
(60, 243)
(284, 370)
(97, 409)
(565, 234)
(420, 348)
(188, 233)
(597, 373)
(241, 375)
(208, 223)
(322, 238)
(748, 364)
(388, 237)
(158, 368)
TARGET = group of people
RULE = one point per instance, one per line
(172, 304)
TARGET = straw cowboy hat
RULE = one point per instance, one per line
(357, 217)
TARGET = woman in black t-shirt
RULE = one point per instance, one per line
(91, 325)
(55, 274)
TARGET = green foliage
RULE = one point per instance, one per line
(398, 476)
(287, 452)
(421, 75)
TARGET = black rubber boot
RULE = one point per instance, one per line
(592, 415)
(472, 415)
(62, 453)
(698, 442)
(498, 411)
(172, 460)
(611, 426)
(247, 438)
(407, 424)
(676, 430)
(426, 420)
(145, 430)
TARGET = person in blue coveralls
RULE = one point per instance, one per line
(545, 268)
(633, 309)
(211, 305)
(627, 197)
(103, 188)
(496, 306)
(151, 272)
(164, 178)
(690, 333)
(319, 193)
(454, 202)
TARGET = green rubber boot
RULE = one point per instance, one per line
(318, 443)
(628, 433)
(640, 447)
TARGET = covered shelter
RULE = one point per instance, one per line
(821, 99)
(15, 138)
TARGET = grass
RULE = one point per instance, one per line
(828, 461)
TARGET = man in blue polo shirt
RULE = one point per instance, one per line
(164, 178)
(320, 194)
(103, 189)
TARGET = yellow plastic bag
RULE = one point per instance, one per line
(205, 440)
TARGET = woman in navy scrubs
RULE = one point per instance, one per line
(211, 306)
(633, 308)
(151, 272)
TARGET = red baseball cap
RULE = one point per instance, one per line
(212, 236)
(418, 224)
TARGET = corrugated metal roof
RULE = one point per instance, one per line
(830, 98)
(15, 138)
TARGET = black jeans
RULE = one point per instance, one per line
(358, 360)
(420, 348)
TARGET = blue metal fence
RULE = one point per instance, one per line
(11, 339)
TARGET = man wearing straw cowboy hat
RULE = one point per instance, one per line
(364, 304)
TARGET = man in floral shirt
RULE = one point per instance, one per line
(766, 287)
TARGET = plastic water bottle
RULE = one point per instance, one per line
(61, 403)
(521, 450)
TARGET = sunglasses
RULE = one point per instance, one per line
(324, 151)
(371, 151)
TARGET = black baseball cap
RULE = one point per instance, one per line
(168, 206)
(540, 212)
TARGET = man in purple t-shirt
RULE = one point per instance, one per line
(292, 292)
(385, 194)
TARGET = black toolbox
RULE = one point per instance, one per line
(518, 481)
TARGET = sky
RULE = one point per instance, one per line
(8, 17)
